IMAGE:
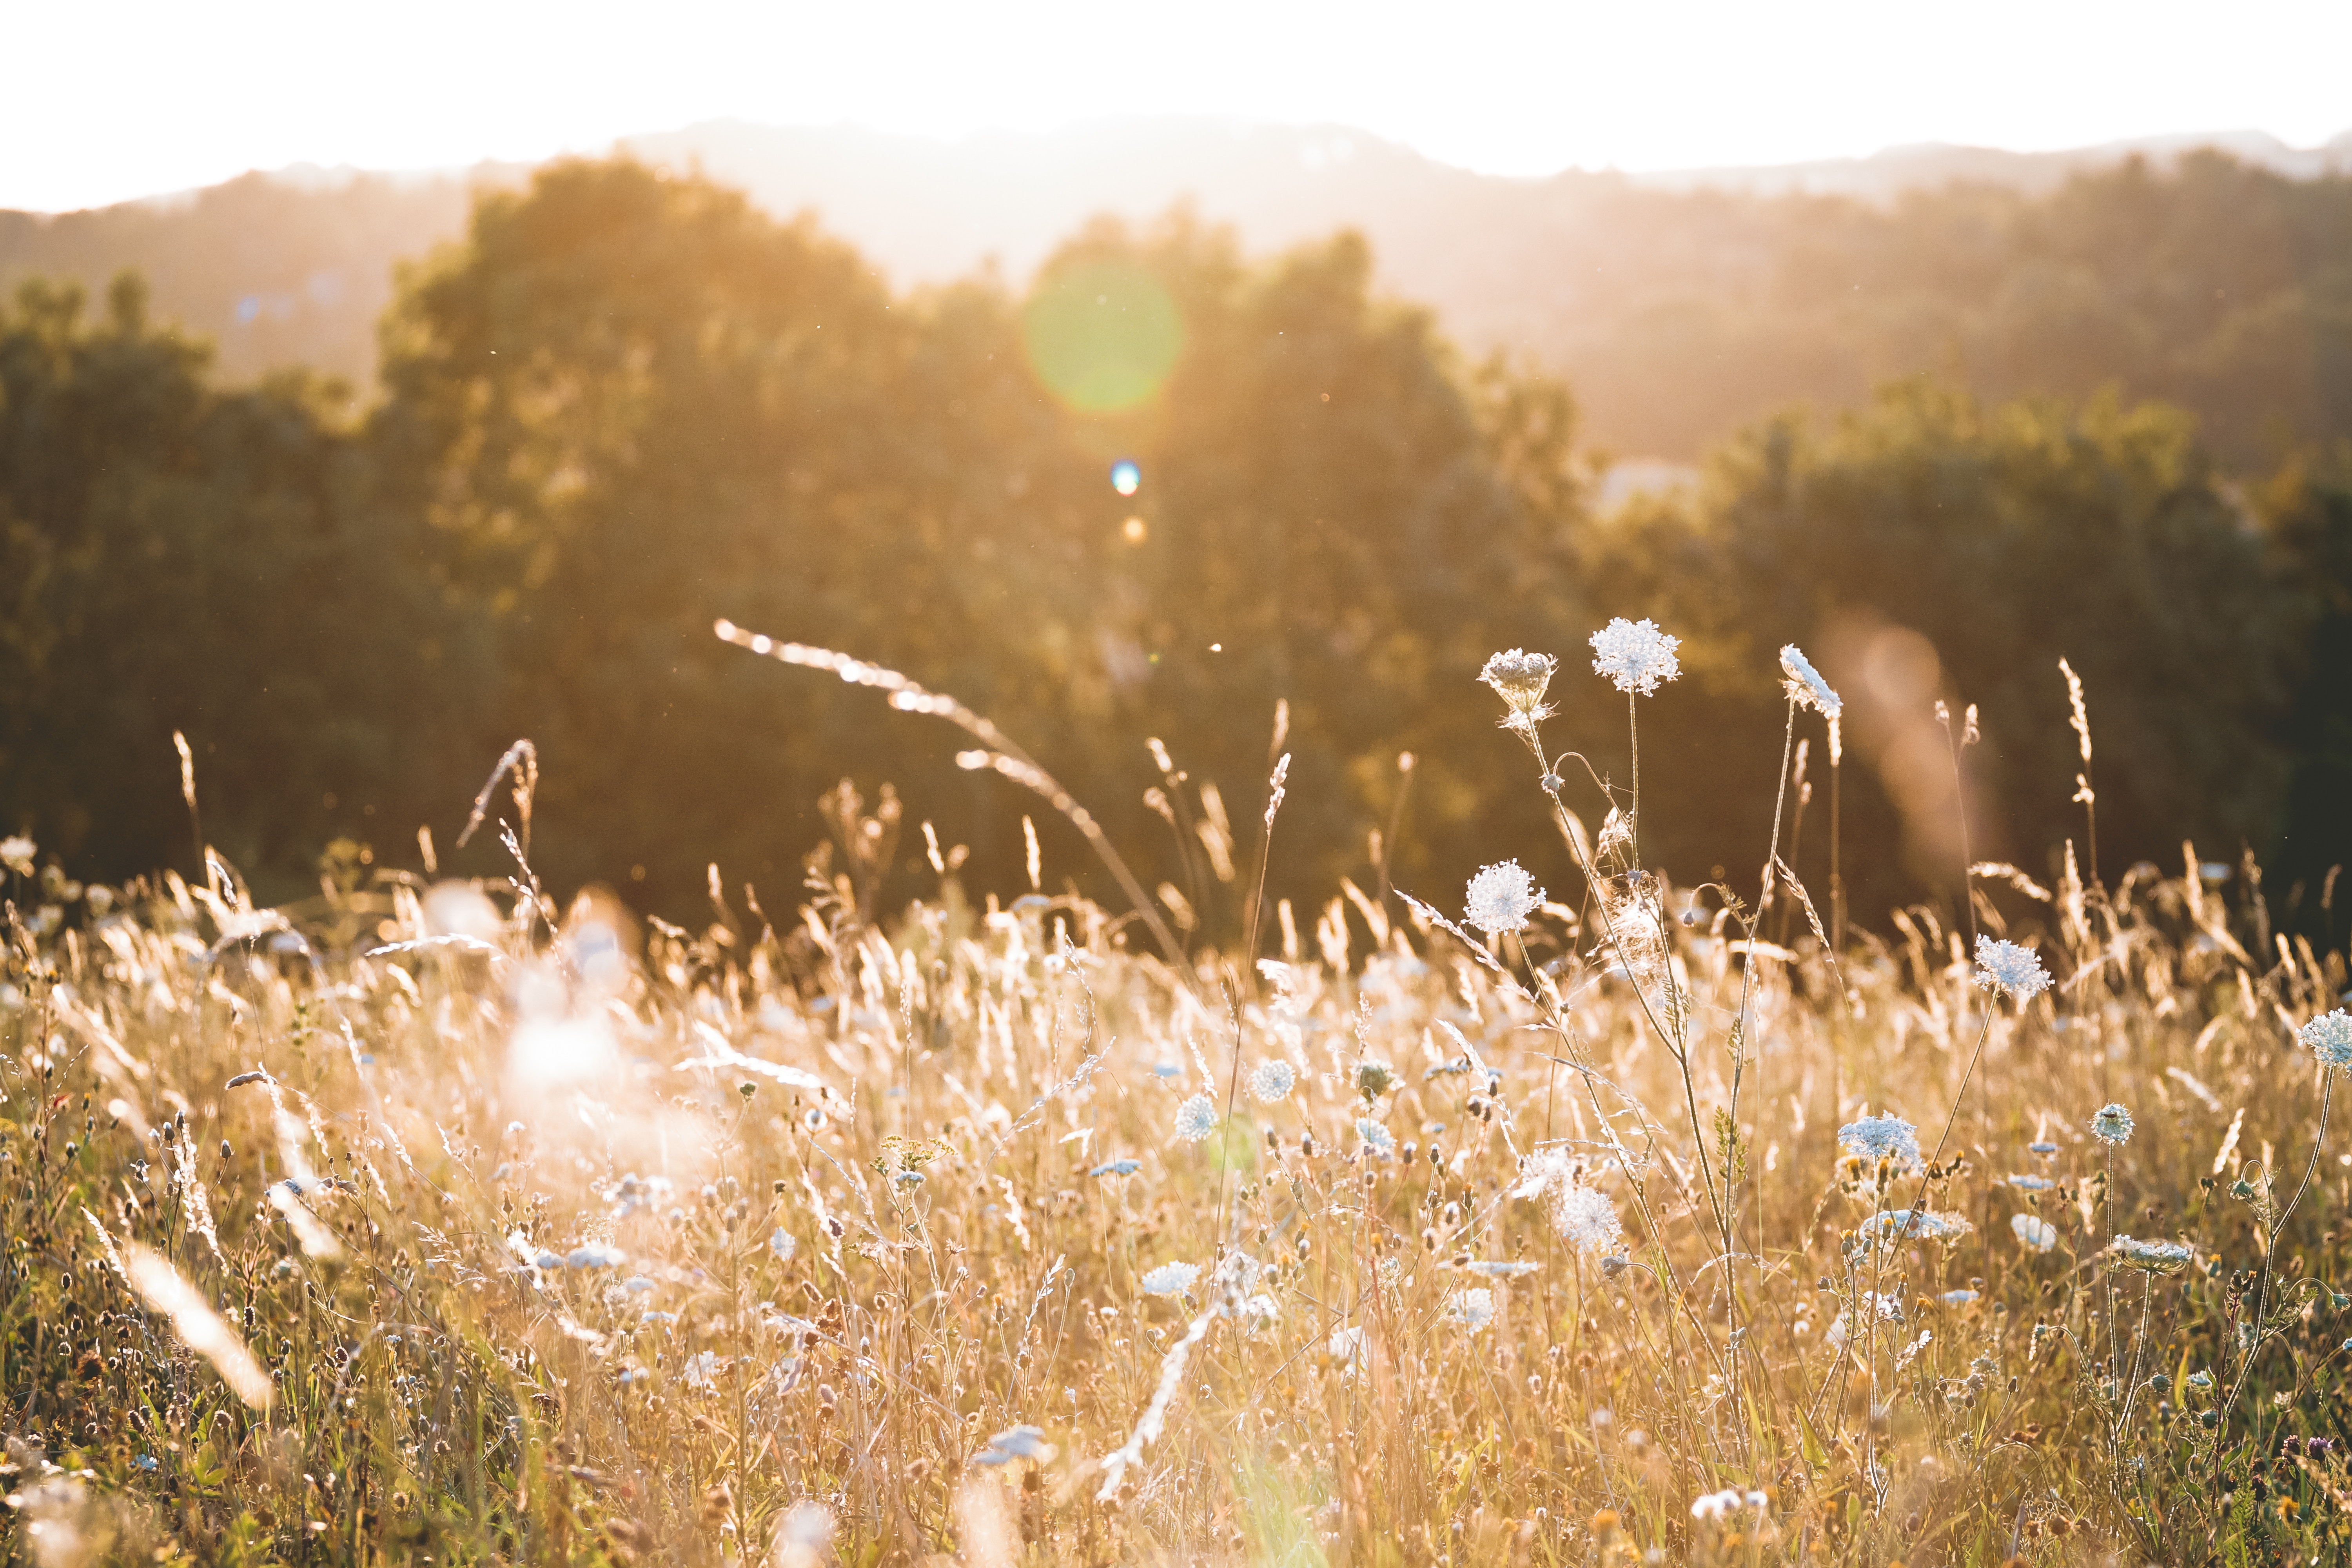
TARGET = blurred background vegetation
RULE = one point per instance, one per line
(2109, 419)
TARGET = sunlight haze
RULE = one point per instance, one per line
(200, 94)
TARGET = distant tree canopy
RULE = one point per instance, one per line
(629, 405)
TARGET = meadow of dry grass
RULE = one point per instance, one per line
(431, 1221)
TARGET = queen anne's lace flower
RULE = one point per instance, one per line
(2036, 1234)
(1636, 655)
(1519, 679)
(2150, 1257)
(1913, 1224)
(1727, 1502)
(1586, 1219)
(1272, 1080)
(1501, 899)
(1170, 1279)
(1472, 1308)
(2111, 1124)
(1886, 1136)
(2012, 970)
(1196, 1119)
(2329, 1037)
(1805, 686)
(1377, 1138)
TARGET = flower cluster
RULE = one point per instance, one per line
(2111, 1124)
(1886, 1136)
(1519, 679)
(1170, 1279)
(1727, 1502)
(1196, 1119)
(2151, 1257)
(2034, 1234)
(2010, 970)
(1272, 1080)
(1636, 655)
(1805, 686)
(2329, 1037)
(1474, 1308)
(1501, 898)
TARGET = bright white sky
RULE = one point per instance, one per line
(125, 97)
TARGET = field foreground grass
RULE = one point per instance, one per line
(423, 1221)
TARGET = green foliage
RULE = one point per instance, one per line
(175, 558)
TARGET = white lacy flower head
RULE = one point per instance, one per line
(1727, 1502)
(1586, 1219)
(1377, 1139)
(2035, 1235)
(1170, 1279)
(702, 1371)
(2151, 1257)
(1474, 1308)
(1196, 1119)
(2012, 970)
(1272, 1080)
(16, 853)
(1347, 1347)
(1805, 686)
(1913, 1224)
(2031, 1183)
(1636, 655)
(1501, 899)
(1519, 679)
(1886, 1136)
(2111, 1124)
(2329, 1037)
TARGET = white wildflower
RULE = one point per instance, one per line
(1345, 1346)
(1272, 1080)
(1913, 1224)
(2329, 1037)
(783, 1244)
(1586, 1219)
(1170, 1279)
(1519, 679)
(1016, 1442)
(2012, 970)
(2031, 1183)
(2150, 1257)
(1886, 1136)
(1636, 655)
(595, 1255)
(2036, 1234)
(1727, 1502)
(1377, 1138)
(1472, 1308)
(702, 1371)
(1956, 1298)
(2111, 1124)
(1501, 899)
(1196, 1119)
(1259, 1312)
(16, 853)
(1805, 686)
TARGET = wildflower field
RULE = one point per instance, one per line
(1579, 1217)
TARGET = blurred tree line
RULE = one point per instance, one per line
(627, 404)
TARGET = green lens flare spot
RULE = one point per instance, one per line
(1101, 335)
